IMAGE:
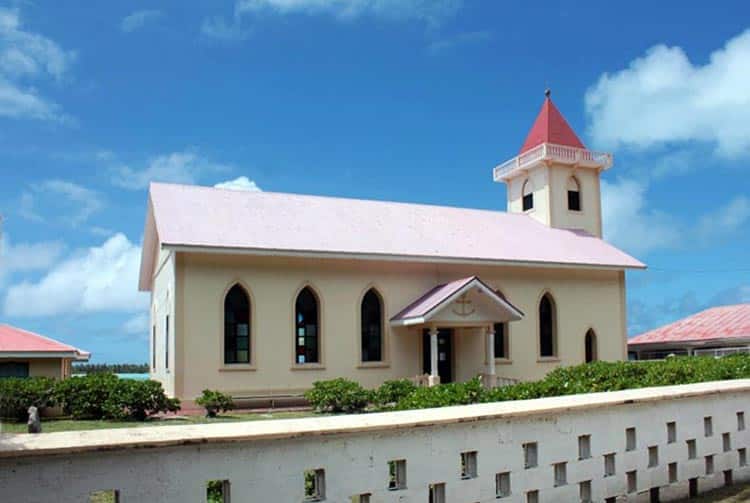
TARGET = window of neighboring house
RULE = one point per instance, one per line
(237, 326)
(166, 342)
(528, 196)
(307, 334)
(153, 347)
(372, 327)
(574, 194)
(547, 346)
(14, 369)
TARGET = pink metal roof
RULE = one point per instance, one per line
(16, 340)
(725, 322)
(438, 295)
(550, 127)
(275, 223)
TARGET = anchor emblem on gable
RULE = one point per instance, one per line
(463, 306)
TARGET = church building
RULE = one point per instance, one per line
(260, 294)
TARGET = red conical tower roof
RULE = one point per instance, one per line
(550, 127)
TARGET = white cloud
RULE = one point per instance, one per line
(218, 28)
(27, 55)
(27, 208)
(725, 220)
(178, 167)
(663, 97)
(71, 202)
(462, 39)
(240, 183)
(138, 19)
(431, 11)
(97, 279)
(629, 224)
(27, 257)
(18, 103)
(137, 325)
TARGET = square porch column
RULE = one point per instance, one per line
(434, 375)
(490, 377)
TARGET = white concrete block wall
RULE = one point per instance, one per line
(354, 452)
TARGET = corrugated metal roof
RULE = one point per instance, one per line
(276, 223)
(725, 322)
(17, 340)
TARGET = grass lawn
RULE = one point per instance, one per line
(51, 424)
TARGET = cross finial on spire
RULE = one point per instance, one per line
(547, 92)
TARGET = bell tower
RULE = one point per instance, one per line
(555, 178)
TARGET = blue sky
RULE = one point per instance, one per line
(407, 100)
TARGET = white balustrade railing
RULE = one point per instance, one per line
(555, 153)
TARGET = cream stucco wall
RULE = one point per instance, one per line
(43, 367)
(584, 299)
(551, 197)
(163, 305)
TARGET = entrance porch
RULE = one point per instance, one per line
(449, 317)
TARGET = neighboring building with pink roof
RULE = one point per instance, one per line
(716, 331)
(26, 354)
(260, 294)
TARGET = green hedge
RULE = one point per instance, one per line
(338, 395)
(95, 396)
(17, 395)
(342, 395)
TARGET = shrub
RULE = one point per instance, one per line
(18, 394)
(338, 395)
(84, 397)
(391, 392)
(215, 402)
(132, 399)
(456, 393)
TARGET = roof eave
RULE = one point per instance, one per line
(273, 252)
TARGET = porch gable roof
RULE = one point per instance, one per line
(435, 300)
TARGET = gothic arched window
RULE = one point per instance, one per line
(590, 346)
(307, 327)
(237, 326)
(547, 327)
(372, 327)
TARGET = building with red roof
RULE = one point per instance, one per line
(716, 331)
(26, 354)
